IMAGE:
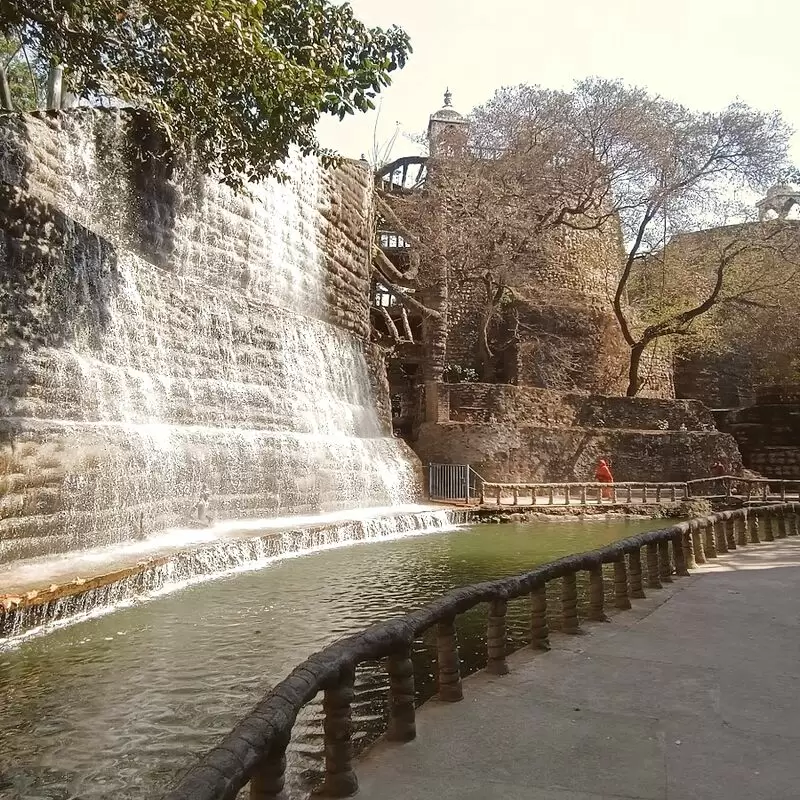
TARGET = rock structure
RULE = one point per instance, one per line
(518, 434)
(567, 338)
(161, 332)
(768, 431)
(550, 411)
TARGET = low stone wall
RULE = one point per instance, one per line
(768, 433)
(482, 402)
(507, 452)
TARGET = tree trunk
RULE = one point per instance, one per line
(634, 382)
(485, 356)
(5, 91)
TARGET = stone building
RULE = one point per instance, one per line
(562, 343)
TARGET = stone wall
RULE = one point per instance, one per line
(523, 453)
(160, 332)
(510, 434)
(561, 296)
(508, 404)
(768, 432)
(748, 345)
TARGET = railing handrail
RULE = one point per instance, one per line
(255, 748)
(742, 479)
(589, 484)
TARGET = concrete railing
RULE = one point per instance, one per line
(254, 751)
(583, 493)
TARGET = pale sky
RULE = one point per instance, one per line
(702, 53)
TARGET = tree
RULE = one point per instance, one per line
(23, 74)
(491, 210)
(658, 167)
(240, 81)
(752, 326)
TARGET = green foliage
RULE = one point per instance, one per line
(240, 81)
(25, 73)
(455, 373)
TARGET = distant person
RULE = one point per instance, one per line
(201, 508)
(718, 470)
(603, 475)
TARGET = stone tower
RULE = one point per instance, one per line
(447, 129)
(782, 202)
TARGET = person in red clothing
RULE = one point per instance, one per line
(603, 475)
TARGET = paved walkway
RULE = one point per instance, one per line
(693, 695)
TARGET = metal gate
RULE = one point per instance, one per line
(449, 482)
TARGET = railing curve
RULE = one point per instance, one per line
(254, 751)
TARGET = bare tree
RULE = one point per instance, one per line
(657, 167)
(602, 156)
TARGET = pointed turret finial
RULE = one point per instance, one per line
(448, 97)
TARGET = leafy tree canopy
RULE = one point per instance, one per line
(25, 74)
(240, 80)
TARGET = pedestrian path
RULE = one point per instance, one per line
(693, 695)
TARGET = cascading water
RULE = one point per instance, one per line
(163, 335)
(219, 557)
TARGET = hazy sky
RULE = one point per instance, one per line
(702, 53)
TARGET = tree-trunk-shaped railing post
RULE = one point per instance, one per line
(709, 546)
(794, 519)
(740, 528)
(719, 536)
(730, 533)
(498, 493)
(673, 493)
(569, 603)
(753, 527)
(621, 599)
(664, 562)
(783, 491)
(515, 495)
(644, 493)
(781, 521)
(340, 779)
(483, 493)
(614, 497)
(402, 717)
(551, 498)
(567, 495)
(658, 494)
(769, 529)
(539, 630)
(496, 637)
(688, 549)
(583, 494)
(764, 492)
(679, 555)
(269, 777)
(697, 542)
(450, 690)
(596, 595)
(635, 574)
(653, 572)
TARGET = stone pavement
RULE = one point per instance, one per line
(692, 695)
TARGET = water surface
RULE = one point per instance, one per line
(120, 705)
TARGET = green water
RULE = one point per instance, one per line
(119, 705)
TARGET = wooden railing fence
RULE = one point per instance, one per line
(254, 752)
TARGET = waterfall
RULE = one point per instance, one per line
(164, 334)
(218, 559)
